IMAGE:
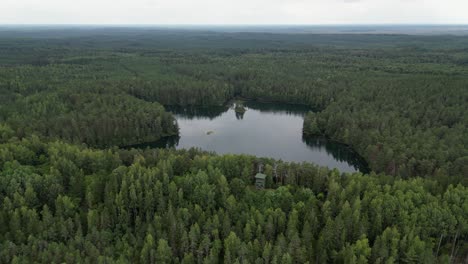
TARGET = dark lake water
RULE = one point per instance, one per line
(264, 130)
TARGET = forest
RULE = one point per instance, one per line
(71, 99)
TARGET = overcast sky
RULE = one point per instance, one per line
(233, 11)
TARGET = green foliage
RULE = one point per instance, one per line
(131, 207)
(98, 120)
(399, 101)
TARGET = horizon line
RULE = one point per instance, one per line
(230, 24)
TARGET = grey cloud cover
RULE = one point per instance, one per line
(234, 12)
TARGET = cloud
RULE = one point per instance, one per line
(233, 11)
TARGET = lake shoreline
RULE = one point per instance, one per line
(251, 134)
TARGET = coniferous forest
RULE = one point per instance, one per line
(71, 99)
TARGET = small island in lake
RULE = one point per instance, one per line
(240, 108)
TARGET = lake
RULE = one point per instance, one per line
(264, 130)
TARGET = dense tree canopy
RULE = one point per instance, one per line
(65, 203)
(400, 101)
(98, 120)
